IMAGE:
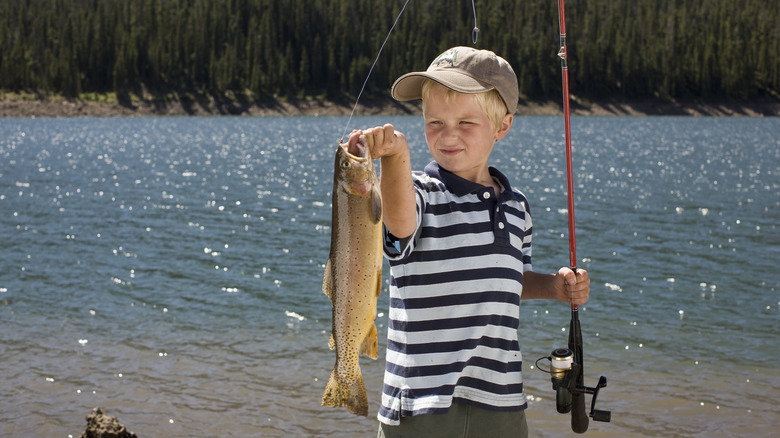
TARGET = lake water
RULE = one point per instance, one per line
(169, 270)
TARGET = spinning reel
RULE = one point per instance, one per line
(566, 371)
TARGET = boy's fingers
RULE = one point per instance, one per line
(568, 276)
(389, 132)
(382, 140)
(374, 139)
(581, 291)
(353, 138)
(581, 276)
(370, 140)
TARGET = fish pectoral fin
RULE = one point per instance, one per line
(332, 342)
(376, 200)
(327, 283)
(369, 347)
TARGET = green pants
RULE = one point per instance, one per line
(462, 420)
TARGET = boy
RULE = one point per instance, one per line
(458, 238)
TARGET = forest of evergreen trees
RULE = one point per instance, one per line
(622, 49)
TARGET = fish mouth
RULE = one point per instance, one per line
(357, 151)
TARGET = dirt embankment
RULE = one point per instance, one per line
(25, 107)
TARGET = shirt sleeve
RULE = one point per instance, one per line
(399, 248)
(528, 233)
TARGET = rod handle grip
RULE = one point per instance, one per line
(579, 418)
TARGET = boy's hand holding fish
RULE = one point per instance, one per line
(390, 146)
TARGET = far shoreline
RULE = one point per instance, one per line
(24, 106)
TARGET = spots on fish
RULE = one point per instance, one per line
(353, 273)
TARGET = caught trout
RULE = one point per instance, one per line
(353, 274)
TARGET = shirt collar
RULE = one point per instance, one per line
(461, 187)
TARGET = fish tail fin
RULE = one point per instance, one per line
(369, 347)
(350, 394)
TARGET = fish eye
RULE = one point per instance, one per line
(345, 164)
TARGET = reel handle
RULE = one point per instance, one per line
(604, 416)
(597, 415)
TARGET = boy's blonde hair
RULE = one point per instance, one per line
(490, 102)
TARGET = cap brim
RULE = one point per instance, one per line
(409, 86)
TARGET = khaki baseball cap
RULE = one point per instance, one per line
(465, 70)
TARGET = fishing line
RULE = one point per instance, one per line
(372, 69)
(475, 31)
(474, 38)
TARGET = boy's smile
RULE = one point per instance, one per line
(460, 135)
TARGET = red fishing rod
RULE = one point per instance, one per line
(563, 54)
(567, 370)
(579, 421)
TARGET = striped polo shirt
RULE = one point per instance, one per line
(454, 299)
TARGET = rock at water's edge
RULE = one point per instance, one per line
(100, 425)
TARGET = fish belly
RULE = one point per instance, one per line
(352, 280)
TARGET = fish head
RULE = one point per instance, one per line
(354, 170)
